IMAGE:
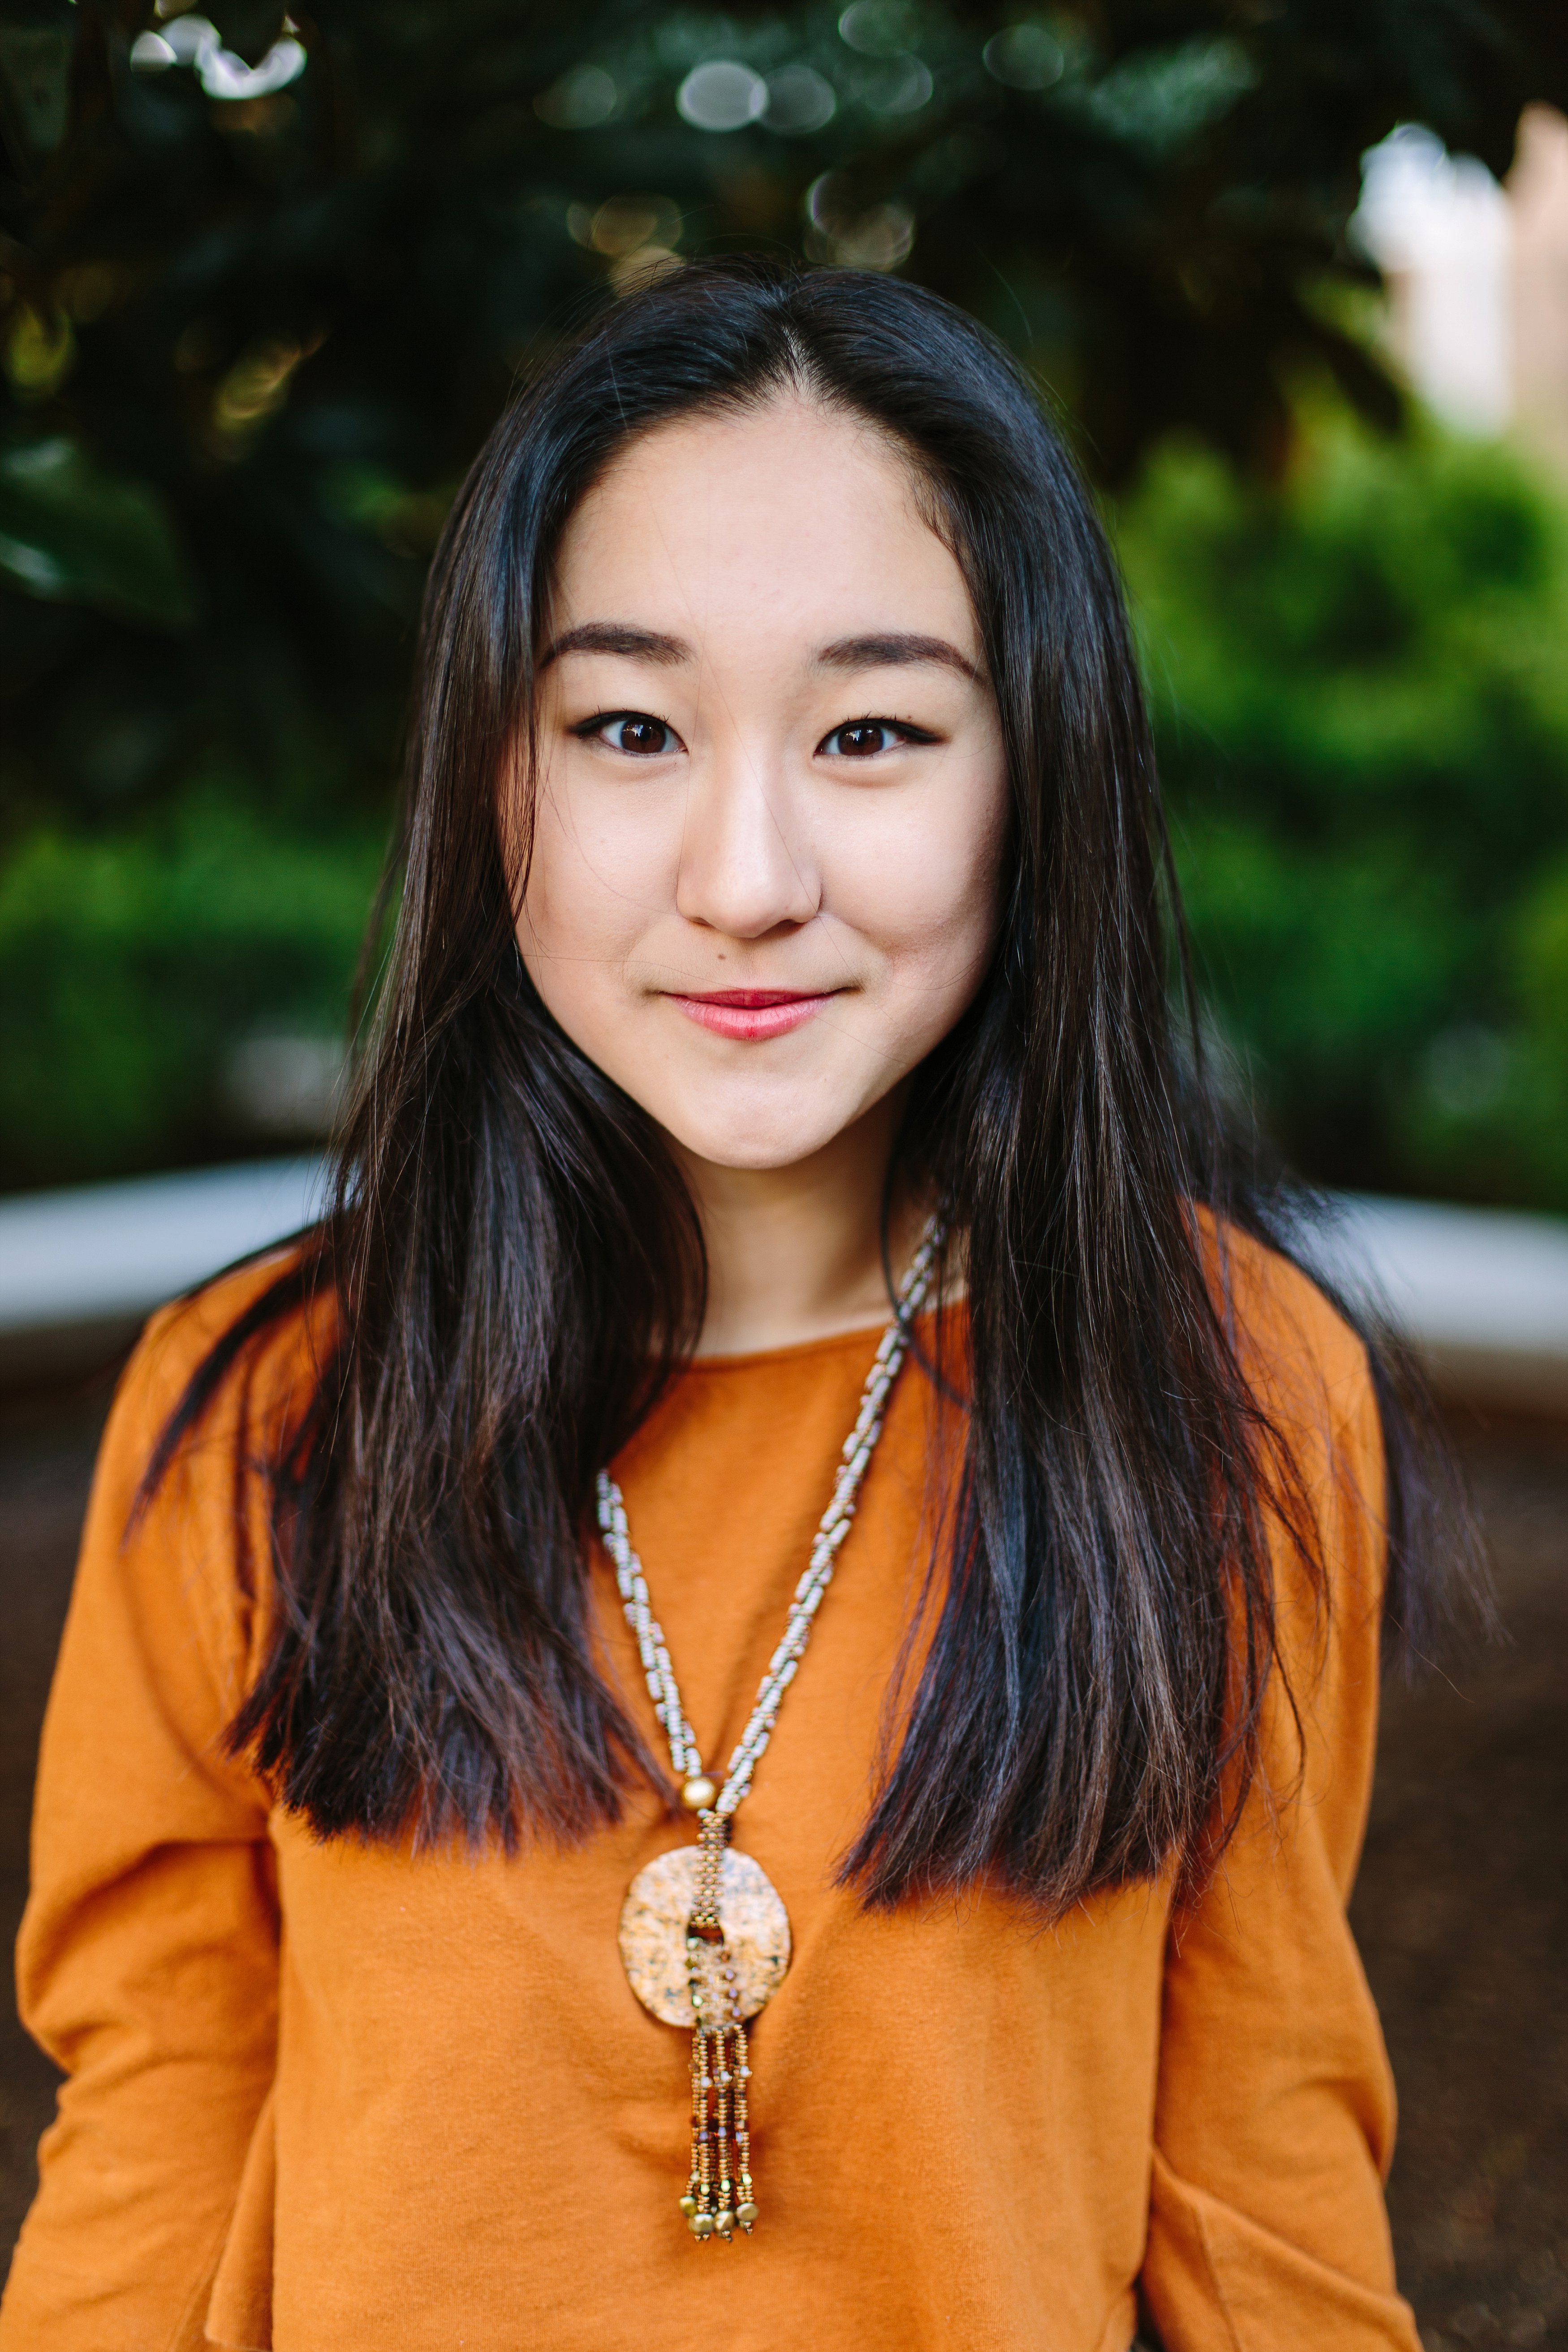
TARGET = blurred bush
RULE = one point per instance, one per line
(265, 279)
(1361, 704)
(166, 983)
(1361, 698)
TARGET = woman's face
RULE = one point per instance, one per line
(772, 798)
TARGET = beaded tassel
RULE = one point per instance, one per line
(718, 2186)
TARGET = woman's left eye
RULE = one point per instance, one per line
(863, 739)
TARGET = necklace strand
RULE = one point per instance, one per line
(858, 1447)
(721, 2195)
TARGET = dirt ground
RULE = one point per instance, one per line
(1462, 1913)
(1462, 1908)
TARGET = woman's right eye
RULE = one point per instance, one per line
(634, 732)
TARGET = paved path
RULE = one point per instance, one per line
(1483, 1293)
(80, 1269)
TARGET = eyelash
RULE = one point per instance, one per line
(901, 729)
(898, 728)
(604, 720)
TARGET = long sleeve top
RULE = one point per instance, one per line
(340, 2096)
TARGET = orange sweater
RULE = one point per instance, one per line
(328, 2098)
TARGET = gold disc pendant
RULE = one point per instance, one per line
(653, 1920)
(705, 1942)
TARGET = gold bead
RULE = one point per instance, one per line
(746, 2214)
(724, 2222)
(688, 2206)
(702, 2225)
(699, 1796)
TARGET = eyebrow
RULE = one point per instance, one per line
(618, 637)
(896, 650)
(892, 649)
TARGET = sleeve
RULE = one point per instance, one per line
(147, 1965)
(1274, 2120)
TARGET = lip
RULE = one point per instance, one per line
(752, 1014)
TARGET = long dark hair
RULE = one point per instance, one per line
(514, 1267)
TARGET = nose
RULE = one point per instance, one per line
(746, 865)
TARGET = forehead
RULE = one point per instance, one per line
(792, 508)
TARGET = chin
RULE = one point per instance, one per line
(752, 1143)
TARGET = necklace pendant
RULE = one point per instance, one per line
(705, 1942)
(654, 1917)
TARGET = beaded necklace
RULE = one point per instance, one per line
(704, 1934)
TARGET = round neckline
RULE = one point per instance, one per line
(857, 1337)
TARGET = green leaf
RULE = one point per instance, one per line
(73, 533)
(35, 79)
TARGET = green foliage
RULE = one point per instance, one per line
(283, 279)
(1361, 701)
(131, 965)
(1363, 711)
(72, 533)
(264, 284)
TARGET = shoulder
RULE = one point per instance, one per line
(1324, 1466)
(1308, 1369)
(1324, 1492)
(235, 1365)
(1311, 1378)
(176, 1560)
(172, 1599)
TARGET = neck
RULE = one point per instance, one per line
(795, 1252)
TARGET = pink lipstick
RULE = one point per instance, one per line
(751, 1014)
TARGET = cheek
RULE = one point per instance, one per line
(594, 875)
(576, 929)
(927, 889)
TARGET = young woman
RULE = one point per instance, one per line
(592, 1799)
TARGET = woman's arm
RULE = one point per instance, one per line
(1275, 2118)
(148, 1959)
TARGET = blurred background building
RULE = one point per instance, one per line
(1293, 277)
(1477, 275)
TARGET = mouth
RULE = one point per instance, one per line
(752, 1014)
